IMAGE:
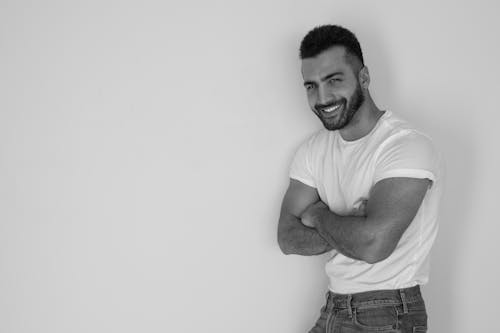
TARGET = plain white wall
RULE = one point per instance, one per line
(145, 145)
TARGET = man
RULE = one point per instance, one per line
(366, 189)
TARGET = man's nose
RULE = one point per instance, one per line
(323, 96)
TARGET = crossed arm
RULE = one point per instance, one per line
(307, 227)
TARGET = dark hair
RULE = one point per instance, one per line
(324, 37)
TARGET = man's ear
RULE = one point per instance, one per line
(364, 77)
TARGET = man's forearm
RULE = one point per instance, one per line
(346, 234)
(296, 238)
(349, 235)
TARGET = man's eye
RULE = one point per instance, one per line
(335, 80)
(309, 87)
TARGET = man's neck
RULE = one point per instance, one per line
(363, 122)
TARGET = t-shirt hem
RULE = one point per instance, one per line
(353, 289)
(304, 181)
(407, 173)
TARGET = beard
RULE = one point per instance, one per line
(349, 109)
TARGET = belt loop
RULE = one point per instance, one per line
(349, 307)
(403, 300)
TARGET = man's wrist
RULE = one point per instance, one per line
(322, 215)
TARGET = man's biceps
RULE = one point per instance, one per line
(398, 196)
(397, 187)
(298, 197)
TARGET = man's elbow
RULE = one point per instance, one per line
(284, 244)
(374, 258)
(377, 251)
(286, 250)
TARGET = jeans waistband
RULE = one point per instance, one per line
(376, 297)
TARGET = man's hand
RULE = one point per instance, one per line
(293, 236)
(312, 213)
(310, 216)
(361, 209)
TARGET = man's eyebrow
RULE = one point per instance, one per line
(329, 76)
(324, 78)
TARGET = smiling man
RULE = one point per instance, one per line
(365, 190)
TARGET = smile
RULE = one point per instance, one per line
(332, 108)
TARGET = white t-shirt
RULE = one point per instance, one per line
(343, 172)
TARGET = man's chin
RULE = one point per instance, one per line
(333, 124)
(331, 127)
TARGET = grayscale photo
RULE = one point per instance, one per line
(249, 166)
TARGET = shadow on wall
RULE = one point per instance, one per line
(460, 173)
(442, 288)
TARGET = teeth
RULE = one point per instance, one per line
(331, 109)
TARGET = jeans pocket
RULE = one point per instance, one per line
(381, 318)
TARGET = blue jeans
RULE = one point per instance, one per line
(401, 311)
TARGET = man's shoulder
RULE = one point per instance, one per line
(398, 129)
(403, 140)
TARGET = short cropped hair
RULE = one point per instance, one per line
(324, 37)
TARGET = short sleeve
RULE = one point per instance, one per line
(300, 169)
(410, 154)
